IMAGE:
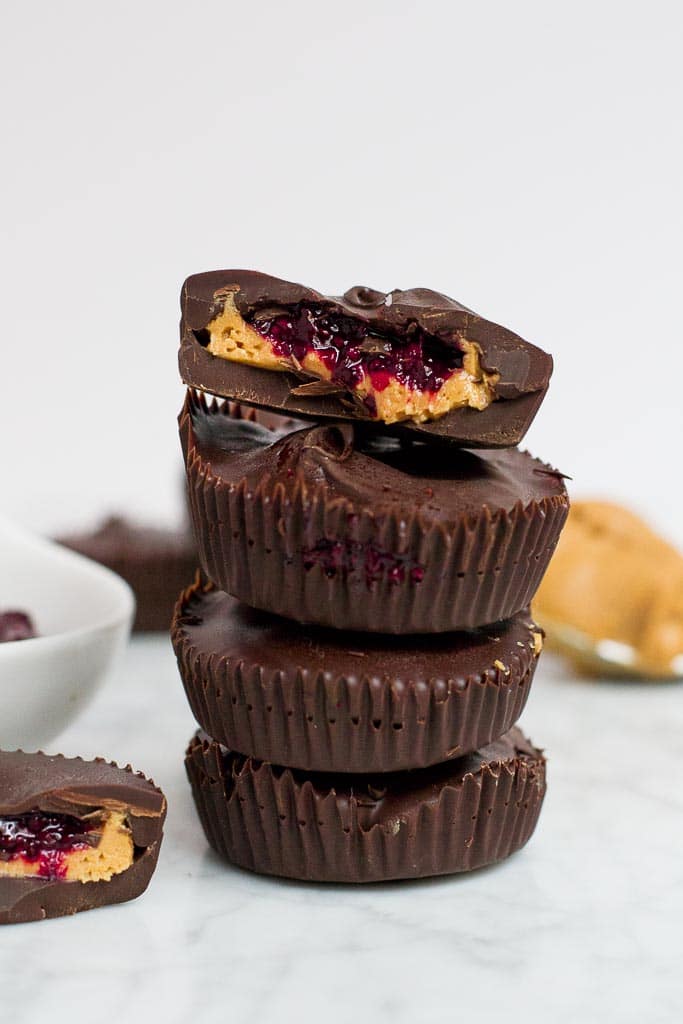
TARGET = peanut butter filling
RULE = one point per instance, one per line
(614, 594)
(232, 338)
(112, 853)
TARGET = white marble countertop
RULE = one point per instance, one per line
(584, 925)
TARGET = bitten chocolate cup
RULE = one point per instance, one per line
(321, 700)
(336, 527)
(416, 362)
(452, 817)
(74, 835)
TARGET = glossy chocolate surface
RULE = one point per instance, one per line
(57, 786)
(353, 529)
(524, 370)
(372, 470)
(325, 700)
(451, 817)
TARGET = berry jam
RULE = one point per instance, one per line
(341, 558)
(15, 626)
(350, 350)
(44, 840)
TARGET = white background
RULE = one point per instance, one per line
(526, 158)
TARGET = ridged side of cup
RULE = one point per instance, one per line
(357, 720)
(453, 818)
(253, 544)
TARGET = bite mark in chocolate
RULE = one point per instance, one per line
(414, 359)
(60, 846)
(395, 376)
(34, 836)
(74, 835)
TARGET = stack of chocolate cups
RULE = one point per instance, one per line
(359, 645)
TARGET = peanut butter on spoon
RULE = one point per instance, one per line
(612, 598)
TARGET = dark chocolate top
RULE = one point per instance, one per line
(366, 469)
(60, 785)
(216, 625)
(524, 369)
(116, 537)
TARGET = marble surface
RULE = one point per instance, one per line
(585, 924)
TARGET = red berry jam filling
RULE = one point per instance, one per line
(350, 350)
(44, 840)
(341, 558)
(15, 626)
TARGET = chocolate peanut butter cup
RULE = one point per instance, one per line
(340, 527)
(322, 700)
(452, 817)
(74, 835)
(415, 360)
(156, 563)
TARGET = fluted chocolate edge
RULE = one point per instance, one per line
(73, 785)
(282, 822)
(353, 722)
(482, 569)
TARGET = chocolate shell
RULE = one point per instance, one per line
(322, 700)
(524, 370)
(452, 817)
(60, 785)
(270, 420)
(341, 528)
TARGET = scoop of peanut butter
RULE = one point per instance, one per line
(612, 598)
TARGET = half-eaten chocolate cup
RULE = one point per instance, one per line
(74, 835)
(413, 361)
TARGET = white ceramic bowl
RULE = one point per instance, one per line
(83, 613)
